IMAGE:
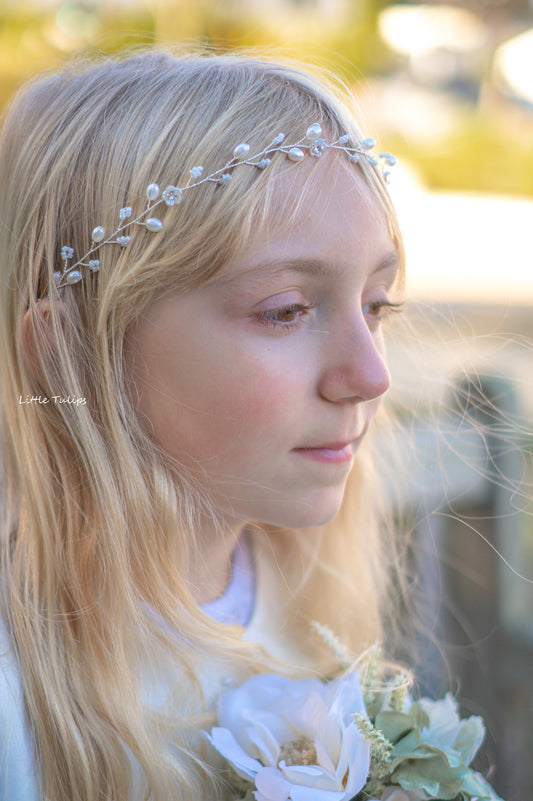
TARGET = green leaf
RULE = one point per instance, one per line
(419, 716)
(475, 785)
(407, 745)
(394, 725)
(429, 770)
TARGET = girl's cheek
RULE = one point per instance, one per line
(269, 391)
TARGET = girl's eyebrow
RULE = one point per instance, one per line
(390, 261)
(314, 267)
(309, 266)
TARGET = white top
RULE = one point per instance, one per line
(236, 605)
(18, 781)
(17, 771)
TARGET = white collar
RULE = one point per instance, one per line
(236, 604)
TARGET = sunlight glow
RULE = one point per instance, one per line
(513, 65)
(465, 246)
(419, 29)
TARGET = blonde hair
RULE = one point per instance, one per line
(95, 522)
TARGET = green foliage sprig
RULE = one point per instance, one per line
(422, 747)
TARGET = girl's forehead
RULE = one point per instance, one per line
(329, 217)
(331, 194)
(318, 184)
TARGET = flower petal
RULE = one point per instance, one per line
(271, 784)
(257, 697)
(306, 712)
(299, 793)
(280, 729)
(323, 757)
(469, 737)
(274, 787)
(311, 776)
(266, 745)
(268, 711)
(225, 743)
(346, 700)
(355, 758)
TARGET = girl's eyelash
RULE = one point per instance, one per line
(292, 313)
(289, 316)
(380, 309)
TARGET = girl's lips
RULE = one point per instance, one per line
(334, 453)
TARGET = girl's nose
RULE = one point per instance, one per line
(354, 368)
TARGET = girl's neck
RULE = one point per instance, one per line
(211, 565)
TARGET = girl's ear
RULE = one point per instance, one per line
(36, 336)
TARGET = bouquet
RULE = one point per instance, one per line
(342, 740)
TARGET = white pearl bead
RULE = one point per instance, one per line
(367, 144)
(94, 265)
(152, 192)
(295, 154)
(313, 132)
(98, 233)
(73, 277)
(241, 151)
(154, 225)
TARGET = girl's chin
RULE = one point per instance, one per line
(310, 514)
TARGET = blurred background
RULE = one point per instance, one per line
(448, 88)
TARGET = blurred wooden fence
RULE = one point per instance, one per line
(474, 563)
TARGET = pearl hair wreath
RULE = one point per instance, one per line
(312, 144)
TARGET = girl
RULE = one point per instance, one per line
(192, 357)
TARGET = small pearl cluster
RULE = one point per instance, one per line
(312, 144)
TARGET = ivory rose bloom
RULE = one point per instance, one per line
(295, 740)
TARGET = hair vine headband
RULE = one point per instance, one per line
(312, 144)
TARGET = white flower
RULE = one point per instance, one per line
(295, 740)
(459, 739)
(172, 195)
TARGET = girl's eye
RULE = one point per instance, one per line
(284, 316)
(379, 309)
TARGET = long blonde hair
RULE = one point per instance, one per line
(98, 531)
